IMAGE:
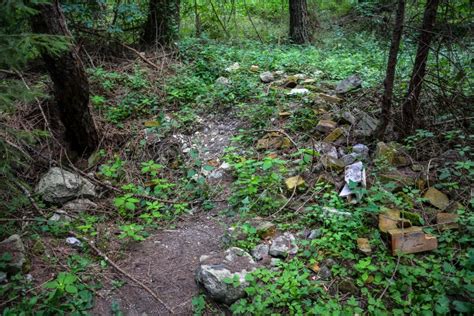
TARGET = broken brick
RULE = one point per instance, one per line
(411, 240)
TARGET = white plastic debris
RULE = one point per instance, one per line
(233, 67)
(298, 91)
(353, 173)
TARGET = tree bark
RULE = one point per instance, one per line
(162, 25)
(411, 103)
(391, 68)
(71, 87)
(299, 26)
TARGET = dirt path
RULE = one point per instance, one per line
(166, 261)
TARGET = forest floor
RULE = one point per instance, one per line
(200, 151)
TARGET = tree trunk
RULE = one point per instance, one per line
(299, 26)
(411, 103)
(162, 25)
(71, 87)
(391, 67)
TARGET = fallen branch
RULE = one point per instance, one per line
(125, 273)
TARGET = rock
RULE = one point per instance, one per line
(366, 125)
(73, 241)
(315, 233)
(326, 149)
(284, 114)
(332, 163)
(447, 220)
(267, 77)
(324, 273)
(309, 81)
(349, 159)
(437, 198)
(348, 84)
(400, 179)
(334, 135)
(411, 240)
(265, 229)
(348, 117)
(14, 246)
(283, 246)
(275, 262)
(348, 286)
(294, 182)
(364, 245)
(390, 154)
(330, 98)
(233, 68)
(80, 205)
(390, 219)
(298, 91)
(254, 68)
(260, 252)
(326, 126)
(361, 150)
(59, 186)
(290, 82)
(61, 217)
(273, 140)
(223, 81)
(3, 277)
(214, 271)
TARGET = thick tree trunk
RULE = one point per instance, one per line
(162, 25)
(411, 103)
(299, 26)
(71, 87)
(391, 67)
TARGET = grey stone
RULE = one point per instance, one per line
(274, 262)
(366, 125)
(267, 77)
(315, 233)
(61, 217)
(14, 246)
(3, 277)
(349, 158)
(348, 84)
(361, 150)
(283, 246)
(79, 205)
(73, 241)
(223, 81)
(326, 149)
(60, 186)
(233, 68)
(348, 117)
(324, 273)
(215, 269)
(260, 251)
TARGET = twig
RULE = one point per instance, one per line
(391, 278)
(140, 55)
(287, 202)
(125, 273)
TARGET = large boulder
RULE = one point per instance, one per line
(215, 272)
(59, 186)
(13, 245)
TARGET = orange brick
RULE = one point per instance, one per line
(411, 240)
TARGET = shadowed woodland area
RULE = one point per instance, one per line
(236, 157)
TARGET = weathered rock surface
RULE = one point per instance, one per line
(214, 270)
(348, 84)
(267, 77)
(60, 186)
(14, 246)
(60, 217)
(260, 252)
(223, 81)
(283, 246)
(437, 198)
(79, 205)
